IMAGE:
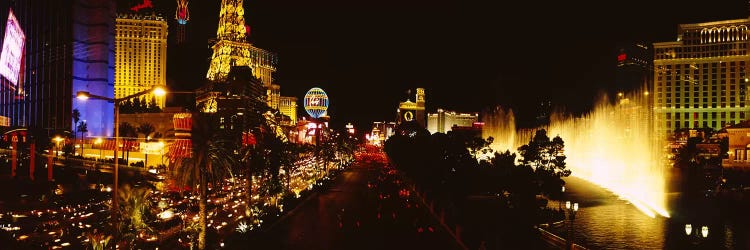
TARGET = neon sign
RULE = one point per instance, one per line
(12, 54)
(145, 4)
(622, 57)
(316, 102)
(182, 14)
(408, 116)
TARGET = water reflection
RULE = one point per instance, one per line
(604, 221)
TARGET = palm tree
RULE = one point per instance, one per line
(83, 128)
(129, 132)
(135, 209)
(211, 161)
(98, 241)
(146, 129)
(76, 117)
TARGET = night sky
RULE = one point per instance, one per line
(468, 56)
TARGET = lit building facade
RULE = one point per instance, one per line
(141, 55)
(443, 121)
(288, 107)
(239, 101)
(700, 80)
(381, 131)
(273, 92)
(69, 47)
(413, 111)
(233, 49)
(738, 151)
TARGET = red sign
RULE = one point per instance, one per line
(621, 57)
(145, 4)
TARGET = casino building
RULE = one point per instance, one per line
(700, 80)
(413, 111)
(141, 58)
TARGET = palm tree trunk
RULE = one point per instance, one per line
(202, 212)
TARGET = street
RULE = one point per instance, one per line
(367, 207)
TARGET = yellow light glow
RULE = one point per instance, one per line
(613, 146)
(82, 95)
(159, 91)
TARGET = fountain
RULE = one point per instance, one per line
(613, 146)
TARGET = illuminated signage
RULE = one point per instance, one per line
(12, 53)
(182, 15)
(316, 102)
(408, 116)
(145, 4)
(621, 57)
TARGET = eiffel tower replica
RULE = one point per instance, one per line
(233, 49)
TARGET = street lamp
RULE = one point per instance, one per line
(58, 139)
(572, 217)
(85, 95)
(699, 234)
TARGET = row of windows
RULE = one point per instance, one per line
(697, 124)
(733, 49)
(704, 115)
(704, 105)
(735, 32)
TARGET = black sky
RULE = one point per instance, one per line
(468, 56)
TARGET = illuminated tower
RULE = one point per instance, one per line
(141, 55)
(182, 15)
(233, 49)
(413, 111)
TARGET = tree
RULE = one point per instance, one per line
(127, 107)
(128, 132)
(211, 161)
(135, 207)
(98, 241)
(76, 117)
(146, 129)
(153, 107)
(546, 157)
(83, 128)
(137, 106)
(289, 159)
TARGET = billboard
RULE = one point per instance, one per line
(12, 52)
(316, 102)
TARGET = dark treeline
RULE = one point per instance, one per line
(495, 197)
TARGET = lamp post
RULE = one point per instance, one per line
(699, 235)
(57, 139)
(572, 217)
(85, 95)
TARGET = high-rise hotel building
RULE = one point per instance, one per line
(701, 79)
(68, 47)
(288, 107)
(443, 121)
(141, 57)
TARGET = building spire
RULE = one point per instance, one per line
(231, 21)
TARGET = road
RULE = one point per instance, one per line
(363, 209)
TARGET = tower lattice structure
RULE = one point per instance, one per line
(233, 49)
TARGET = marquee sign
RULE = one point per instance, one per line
(316, 102)
(13, 47)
